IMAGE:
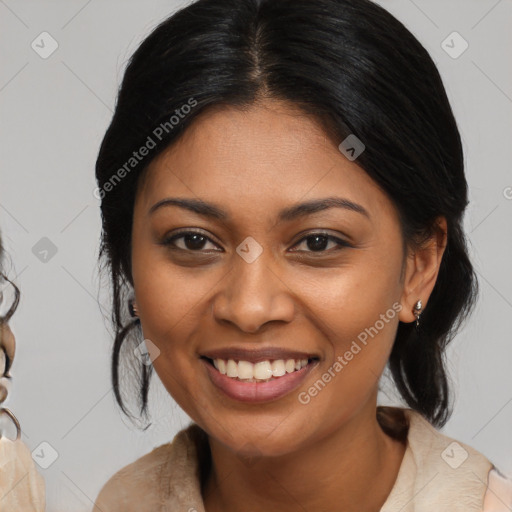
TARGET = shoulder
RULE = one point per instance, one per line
(124, 490)
(457, 474)
(429, 445)
(152, 480)
(498, 497)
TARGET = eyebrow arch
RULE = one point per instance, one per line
(210, 210)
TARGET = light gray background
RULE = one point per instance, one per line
(54, 113)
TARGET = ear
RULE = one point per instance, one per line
(422, 269)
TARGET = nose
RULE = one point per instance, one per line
(253, 294)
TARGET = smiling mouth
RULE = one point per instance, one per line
(262, 371)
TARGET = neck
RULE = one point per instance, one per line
(354, 467)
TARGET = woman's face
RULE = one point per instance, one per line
(253, 281)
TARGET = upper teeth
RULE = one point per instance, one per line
(262, 370)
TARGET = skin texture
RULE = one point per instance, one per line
(252, 163)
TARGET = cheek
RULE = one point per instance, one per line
(169, 297)
(345, 301)
(360, 341)
(169, 305)
(173, 310)
(356, 309)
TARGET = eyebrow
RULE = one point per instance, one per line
(210, 210)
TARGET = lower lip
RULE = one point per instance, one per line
(256, 392)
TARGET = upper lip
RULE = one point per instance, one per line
(256, 355)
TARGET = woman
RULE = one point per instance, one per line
(282, 192)
(21, 486)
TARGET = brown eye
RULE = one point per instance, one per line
(192, 241)
(318, 242)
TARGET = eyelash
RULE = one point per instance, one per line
(341, 243)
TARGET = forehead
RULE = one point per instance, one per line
(264, 156)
